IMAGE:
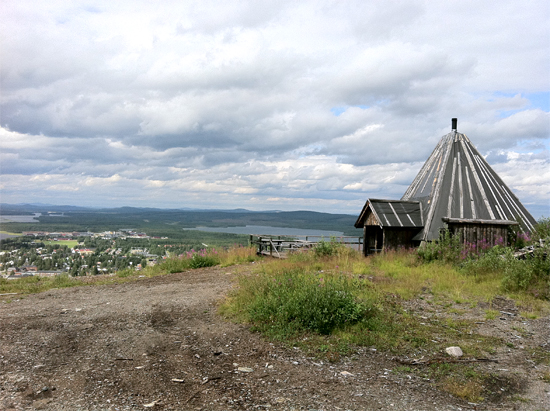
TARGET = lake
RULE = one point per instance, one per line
(4, 236)
(268, 230)
(19, 218)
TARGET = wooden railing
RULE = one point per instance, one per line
(281, 245)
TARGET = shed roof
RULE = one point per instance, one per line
(392, 213)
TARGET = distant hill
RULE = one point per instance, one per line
(170, 221)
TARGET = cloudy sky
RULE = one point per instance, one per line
(310, 105)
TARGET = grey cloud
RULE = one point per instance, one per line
(239, 95)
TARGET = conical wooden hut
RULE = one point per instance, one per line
(456, 189)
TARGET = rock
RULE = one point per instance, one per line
(151, 404)
(245, 369)
(454, 351)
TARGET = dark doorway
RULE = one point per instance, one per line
(373, 239)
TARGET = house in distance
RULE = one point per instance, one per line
(456, 189)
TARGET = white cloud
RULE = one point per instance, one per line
(314, 104)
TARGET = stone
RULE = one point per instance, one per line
(454, 351)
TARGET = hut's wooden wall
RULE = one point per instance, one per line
(371, 220)
(472, 233)
(377, 239)
(395, 238)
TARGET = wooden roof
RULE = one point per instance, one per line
(392, 213)
(456, 182)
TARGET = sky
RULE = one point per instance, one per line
(266, 105)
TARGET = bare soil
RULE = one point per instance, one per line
(158, 343)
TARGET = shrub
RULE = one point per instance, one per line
(327, 249)
(495, 260)
(175, 265)
(531, 273)
(448, 249)
(191, 259)
(296, 301)
(199, 260)
(517, 238)
(125, 273)
(542, 229)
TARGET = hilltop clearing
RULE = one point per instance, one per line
(159, 343)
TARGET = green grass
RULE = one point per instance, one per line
(9, 233)
(35, 284)
(275, 298)
(209, 258)
(376, 291)
(68, 243)
(491, 314)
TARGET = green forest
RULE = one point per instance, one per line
(171, 223)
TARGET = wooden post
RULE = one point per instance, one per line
(365, 242)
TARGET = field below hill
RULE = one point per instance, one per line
(160, 343)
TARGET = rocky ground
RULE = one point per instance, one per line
(157, 343)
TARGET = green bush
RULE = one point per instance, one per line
(203, 260)
(327, 248)
(191, 259)
(495, 260)
(295, 301)
(531, 273)
(542, 229)
(175, 265)
(448, 249)
(125, 273)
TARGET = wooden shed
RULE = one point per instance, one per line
(389, 224)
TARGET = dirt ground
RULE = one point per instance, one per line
(157, 343)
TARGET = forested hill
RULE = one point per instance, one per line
(166, 222)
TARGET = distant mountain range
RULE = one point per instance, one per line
(7, 209)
